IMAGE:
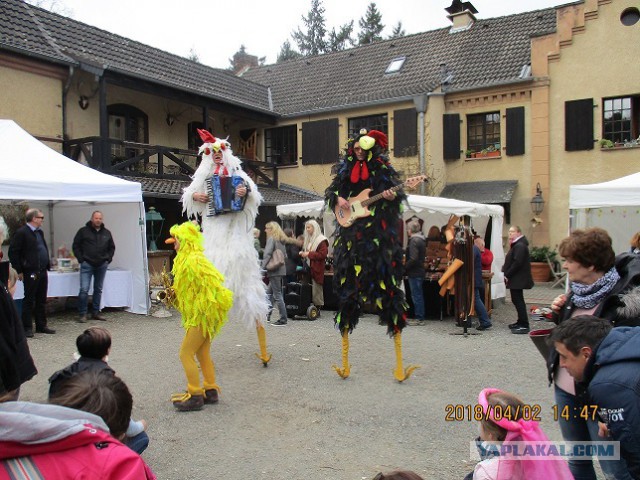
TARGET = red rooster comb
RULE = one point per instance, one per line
(206, 136)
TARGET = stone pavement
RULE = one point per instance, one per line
(296, 419)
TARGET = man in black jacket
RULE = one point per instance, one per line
(517, 276)
(94, 248)
(29, 255)
(604, 363)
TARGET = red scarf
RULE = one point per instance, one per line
(225, 172)
(360, 171)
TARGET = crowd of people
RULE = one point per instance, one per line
(221, 270)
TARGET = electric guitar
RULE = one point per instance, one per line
(358, 204)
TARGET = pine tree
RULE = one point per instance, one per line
(287, 53)
(370, 26)
(398, 31)
(312, 41)
(342, 39)
(193, 55)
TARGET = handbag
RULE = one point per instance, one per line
(276, 261)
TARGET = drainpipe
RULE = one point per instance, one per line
(65, 91)
(421, 102)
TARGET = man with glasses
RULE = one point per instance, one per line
(29, 255)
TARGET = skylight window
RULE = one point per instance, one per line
(395, 65)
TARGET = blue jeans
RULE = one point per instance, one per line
(580, 430)
(481, 311)
(137, 443)
(274, 291)
(86, 272)
(417, 296)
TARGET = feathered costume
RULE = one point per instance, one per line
(368, 254)
(229, 242)
(204, 303)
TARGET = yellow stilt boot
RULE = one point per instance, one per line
(401, 373)
(346, 368)
(262, 341)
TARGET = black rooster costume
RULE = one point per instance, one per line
(368, 253)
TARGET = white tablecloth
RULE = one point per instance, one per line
(116, 291)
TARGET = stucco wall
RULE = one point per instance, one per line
(35, 102)
(587, 67)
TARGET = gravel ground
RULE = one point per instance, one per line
(297, 419)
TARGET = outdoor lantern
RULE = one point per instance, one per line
(154, 227)
(537, 202)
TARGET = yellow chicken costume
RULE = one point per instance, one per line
(204, 302)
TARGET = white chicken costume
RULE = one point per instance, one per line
(228, 238)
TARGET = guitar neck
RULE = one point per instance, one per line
(377, 197)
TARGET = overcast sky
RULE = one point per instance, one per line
(215, 34)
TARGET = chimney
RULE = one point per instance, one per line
(242, 61)
(461, 15)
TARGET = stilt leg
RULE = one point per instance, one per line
(262, 341)
(346, 368)
(401, 373)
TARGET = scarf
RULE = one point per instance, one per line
(360, 171)
(588, 296)
(225, 172)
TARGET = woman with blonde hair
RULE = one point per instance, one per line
(315, 249)
(276, 238)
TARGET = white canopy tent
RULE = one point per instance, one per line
(612, 205)
(433, 211)
(34, 174)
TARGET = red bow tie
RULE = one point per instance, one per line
(360, 171)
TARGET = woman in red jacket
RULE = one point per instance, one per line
(315, 249)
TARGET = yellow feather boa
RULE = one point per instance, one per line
(201, 296)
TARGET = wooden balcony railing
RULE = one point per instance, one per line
(118, 157)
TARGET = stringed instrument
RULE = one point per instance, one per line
(358, 204)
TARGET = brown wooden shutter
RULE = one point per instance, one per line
(320, 142)
(515, 131)
(578, 125)
(405, 132)
(451, 136)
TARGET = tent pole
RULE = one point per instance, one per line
(52, 245)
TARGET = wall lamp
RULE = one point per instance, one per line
(537, 202)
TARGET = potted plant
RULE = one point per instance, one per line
(604, 143)
(469, 153)
(540, 258)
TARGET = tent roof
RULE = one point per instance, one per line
(33, 171)
(614, 193)
(417, 203)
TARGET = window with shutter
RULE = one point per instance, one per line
(578, 125)
(451, 136)
(515, 131)
(621, 119)
(320, 142)
(483, 132)
(405, 132)
(281, 145)
(378, 122)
